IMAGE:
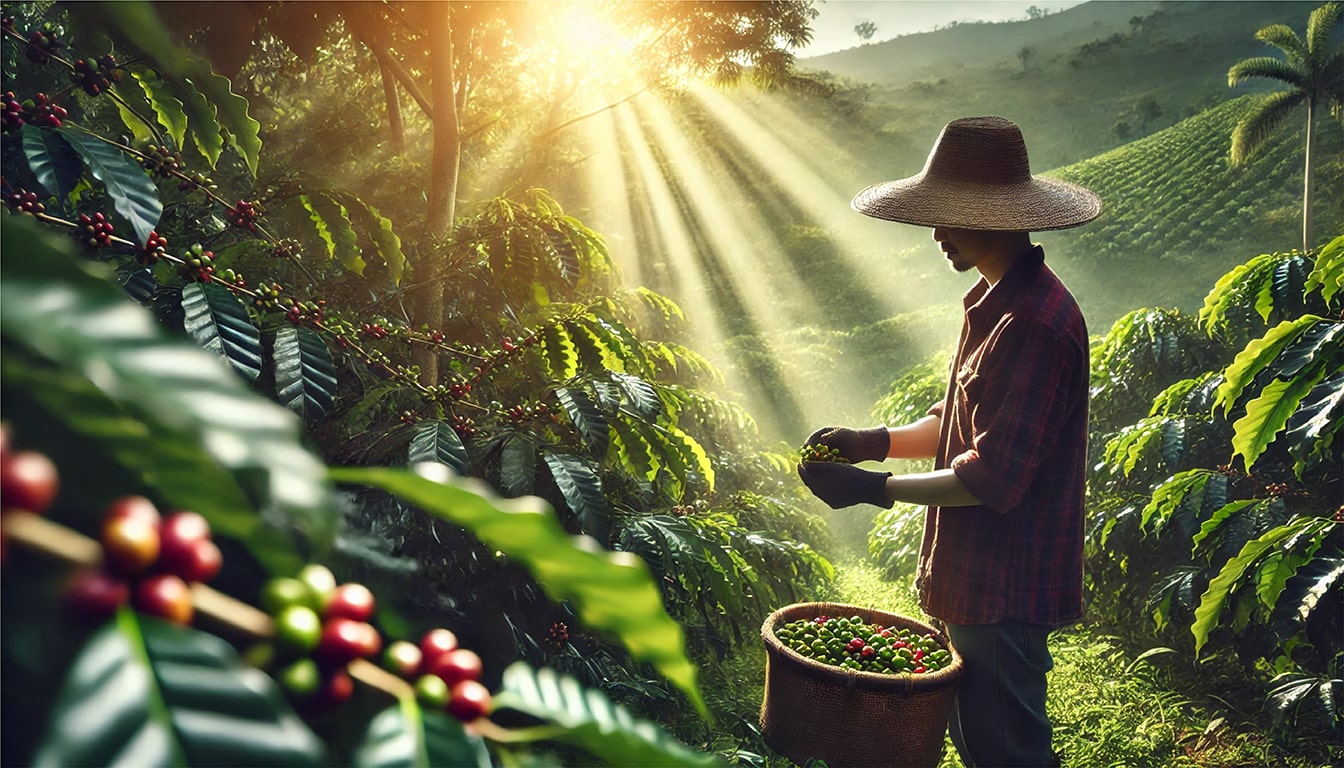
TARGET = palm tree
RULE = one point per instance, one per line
(1314, 74)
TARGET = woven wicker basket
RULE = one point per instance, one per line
(817, 711)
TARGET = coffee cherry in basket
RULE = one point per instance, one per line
(853, 643)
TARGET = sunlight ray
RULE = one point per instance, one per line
(816, 196)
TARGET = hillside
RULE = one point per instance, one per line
(1172, 204)
(1098, 76)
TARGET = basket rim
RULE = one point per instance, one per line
(904, 682)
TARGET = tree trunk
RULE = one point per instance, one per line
(1307, 185)
(443, 174)
(394, 126)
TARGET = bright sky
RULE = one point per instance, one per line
(833, 30)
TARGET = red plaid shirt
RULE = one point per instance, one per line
(1014, 429)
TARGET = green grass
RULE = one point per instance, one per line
(1109, 706)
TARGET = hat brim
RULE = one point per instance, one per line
(1032, 205)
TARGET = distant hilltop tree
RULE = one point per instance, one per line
(1314, 74)
(865, 30)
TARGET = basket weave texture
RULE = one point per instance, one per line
(847, 718)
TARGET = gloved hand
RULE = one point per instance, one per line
(871, 444)
(844, 485)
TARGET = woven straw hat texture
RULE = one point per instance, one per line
(978, 177)
(814, 711)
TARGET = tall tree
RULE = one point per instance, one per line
(445, 55)
(1314, 75)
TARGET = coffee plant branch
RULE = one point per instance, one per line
(55, 540)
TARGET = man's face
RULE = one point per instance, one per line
(964, 248)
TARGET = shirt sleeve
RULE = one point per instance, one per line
(1024, 381)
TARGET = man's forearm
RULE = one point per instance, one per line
(941, 488)
(914, 441)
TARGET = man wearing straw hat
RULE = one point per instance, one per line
(1001, 563)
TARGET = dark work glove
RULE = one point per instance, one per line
(844, 485)
(871, 444)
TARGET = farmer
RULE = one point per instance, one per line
(1001, 563)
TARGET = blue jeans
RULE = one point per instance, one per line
(999, 716)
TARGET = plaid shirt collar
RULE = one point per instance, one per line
(985, 300)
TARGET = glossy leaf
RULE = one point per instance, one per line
(582, 489)
(53, 161)
(144, 692)
(558, 349)
(1256, 356)
(132, 192)
(1308, 700)
(518, 466)
(137, 114)
(1267, 415)
(408, 736)
(244, 132)
(344, 241)
(206, 132)
(1328, 273)
(379, 230)
(438, 441)
(639, 394)
(585, 718)
(321, 227)
(1320, 417)
(168, 109)
(85, 324)
(305, 374)
(1235, 572)
(1303, 593)
(588, 420)
(80, 426)
(612, 592)
(219, 322)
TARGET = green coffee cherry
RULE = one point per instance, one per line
(820, 452)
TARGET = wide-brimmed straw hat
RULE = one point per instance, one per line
(978, 177)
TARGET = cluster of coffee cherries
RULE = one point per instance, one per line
(373, 331)
(320, 628)
(156, 247)
(559, 634)
(443, 674)
(42, 43)
(464, 427)
(95, 76)
(198, 264)
(303, 312)
(25, 202)
(244, 215)
(508, 348)
(527, 412)
(286, 248)
(267, 296)
(161, 161)
(43, 111)
(864, 646)
(148, 558)
(94, 230)
(820, 452)
(11, 112)
(195, 181)
(1278, 490)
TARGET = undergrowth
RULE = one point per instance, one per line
(1110, 706)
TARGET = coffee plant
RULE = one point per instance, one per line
(546, 383)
